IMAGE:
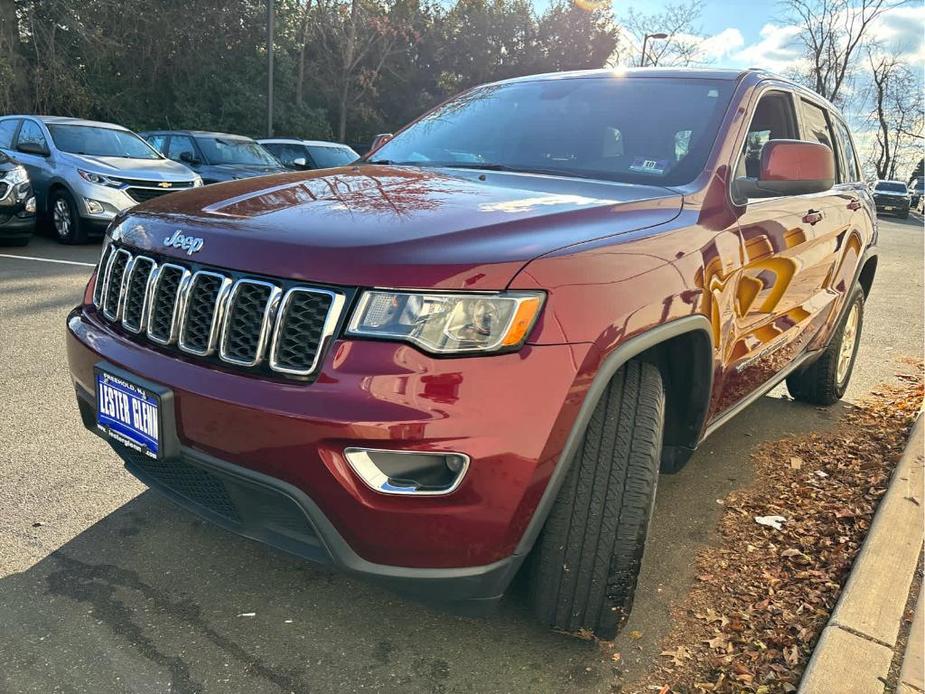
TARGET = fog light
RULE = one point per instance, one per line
(30, 205)
(94, 207)
(408, 472)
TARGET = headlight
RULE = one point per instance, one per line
(197, 182)
(98, 179)
(15, 176)
(448, 323)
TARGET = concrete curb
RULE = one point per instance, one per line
(856, 646)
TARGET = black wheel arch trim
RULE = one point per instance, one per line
(612, 363)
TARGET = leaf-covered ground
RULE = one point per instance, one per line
(763, 595)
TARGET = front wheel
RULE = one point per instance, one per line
(587, 559)
(825, 381)
(65, 220)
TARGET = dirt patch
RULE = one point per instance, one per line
(764, 594)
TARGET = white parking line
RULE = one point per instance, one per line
(46, 260)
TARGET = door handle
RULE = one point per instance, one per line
(854, 204)
(812, 217)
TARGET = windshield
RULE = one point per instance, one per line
(223, 150)
(331, 157)
(634, 130)
(100, 142)
(891, 187)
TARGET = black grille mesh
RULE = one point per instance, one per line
(301, 329)
(245, 318)
(144, 194)
(101, 276)
(200, 311)
(135, 293)
(164, 301)
(116, 274)
(189, 481)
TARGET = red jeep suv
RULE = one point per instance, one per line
(475, 349)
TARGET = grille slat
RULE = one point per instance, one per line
(206, 311)
(203, 312)
(115, 276)
(135, 301)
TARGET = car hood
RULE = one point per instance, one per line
(394, 226)
(149, 169)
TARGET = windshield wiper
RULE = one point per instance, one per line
(567, 173)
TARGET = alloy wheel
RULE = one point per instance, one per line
(849, 341)
(62, 218)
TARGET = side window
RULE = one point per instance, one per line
(852, 173)
(31, 132)
(7, 130)
(818, 129)
(774, 119)
(287, 153)
(159, 142)
(179, 145)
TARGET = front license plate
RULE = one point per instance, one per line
(128, 413)
(888, 208)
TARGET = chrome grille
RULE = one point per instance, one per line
(241, 321)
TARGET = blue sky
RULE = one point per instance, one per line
(754, 33)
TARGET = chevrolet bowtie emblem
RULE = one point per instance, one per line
(164, 184)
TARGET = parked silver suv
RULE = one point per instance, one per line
(85, 172)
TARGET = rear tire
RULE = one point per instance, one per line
(825, 381)
(65, 221)
(587, 559)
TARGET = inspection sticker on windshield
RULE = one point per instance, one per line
(656, 167)
(127, 413)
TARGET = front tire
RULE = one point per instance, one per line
(65, 220)
(825, 381)
(586, 562)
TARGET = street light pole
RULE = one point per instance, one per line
(645, 41)
(269, 68)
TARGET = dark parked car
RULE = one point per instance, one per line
(892, 197)
(304, 155)
(484, 341)
(17, 203)
(216, 157)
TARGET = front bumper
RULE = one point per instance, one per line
(16, 225)
(897, 206)
(276, 448)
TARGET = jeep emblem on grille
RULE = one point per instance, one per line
(190, 244)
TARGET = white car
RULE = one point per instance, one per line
(302, 155)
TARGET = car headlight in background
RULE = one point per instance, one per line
(197, 182)
(15, 176)
(448, 323)
(98, 179)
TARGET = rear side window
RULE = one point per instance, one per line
(32, 133)
(7, 130)
(818, 129)
(286, 152)
(852, 173)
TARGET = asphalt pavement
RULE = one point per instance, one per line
(107, 587)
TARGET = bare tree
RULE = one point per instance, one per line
(831, 33)
(678, 21)
(355, 40)
(898, 113)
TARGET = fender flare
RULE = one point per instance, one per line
(611, 364)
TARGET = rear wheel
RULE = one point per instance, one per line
(64, 218)
(587, 559)
(825, 381)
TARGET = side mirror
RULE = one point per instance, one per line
(789, 167)
(299, 162)
(32, 148)
(189, 158)
(380, 140)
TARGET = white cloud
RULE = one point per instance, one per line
(776, 50)
(720, 45)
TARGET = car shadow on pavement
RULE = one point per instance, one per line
(151, 598)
